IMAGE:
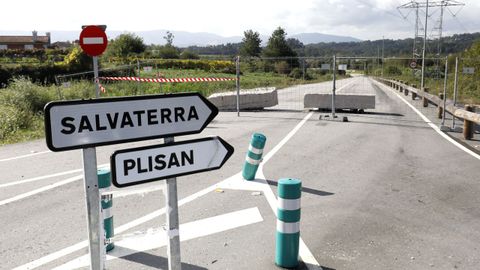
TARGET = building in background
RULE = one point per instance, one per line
(25, 42)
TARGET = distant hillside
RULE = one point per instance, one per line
(186, 39)
(402, 47)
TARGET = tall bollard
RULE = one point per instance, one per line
(254, 156)
(288, 222)
(104, 184)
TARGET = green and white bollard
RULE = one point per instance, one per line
(288, 222)
(254, 156)
(104, 184)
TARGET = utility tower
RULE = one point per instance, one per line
(438, 27)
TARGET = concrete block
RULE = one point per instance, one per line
(342, 101)
(257, 98)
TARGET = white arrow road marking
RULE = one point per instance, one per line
(153, 239)
(93, 40)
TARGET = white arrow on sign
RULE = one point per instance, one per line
(89, 123)
(151, 163)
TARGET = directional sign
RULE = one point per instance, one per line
(88, 123)
(151, 163)
(93, 40)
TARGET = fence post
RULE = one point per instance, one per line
(468, 125)
(288, 222)
(405, 90)
(237, 83)
(400, 87)
(424, 99)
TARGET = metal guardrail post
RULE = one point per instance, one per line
(440, 108)
(424, 99)
(468, 125)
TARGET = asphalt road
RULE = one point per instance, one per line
(382, 191)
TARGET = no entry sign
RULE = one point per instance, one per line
(93, 40)
(152, 163)
(89, 123)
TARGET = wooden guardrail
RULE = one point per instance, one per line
(467, 113)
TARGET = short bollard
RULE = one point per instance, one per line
(254, 156)
(288, 222)
(104, 184)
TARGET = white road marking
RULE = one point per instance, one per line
(343, 86)
(232, 181)
(435, 127)
(42, 189)
(39, 178)
(25, 156)
(137, 191)
(153, 239)
(47, 176)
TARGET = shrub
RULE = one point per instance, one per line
(282, 67)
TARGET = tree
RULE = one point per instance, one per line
(250, 44)
(125, 45)
(169, 39)
(296, 45)
(277, 45)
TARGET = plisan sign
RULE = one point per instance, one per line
(89, 123)
(152, 163)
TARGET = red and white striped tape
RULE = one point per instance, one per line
(97, 81)
(169, 80)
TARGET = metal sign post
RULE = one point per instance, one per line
(94, 214)
(455, 89)
(334, 85)
(237, 83)
(95, 76)
(171, 202)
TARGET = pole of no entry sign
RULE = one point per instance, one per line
(93, 41)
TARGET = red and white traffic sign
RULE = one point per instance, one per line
(413, 64)
(93, 40)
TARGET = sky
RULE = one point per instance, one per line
(363, 19)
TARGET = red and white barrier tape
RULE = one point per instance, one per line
(97, 81)
(169, 80)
